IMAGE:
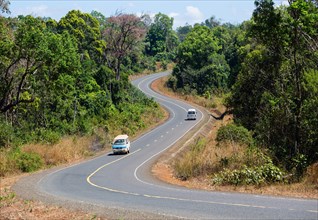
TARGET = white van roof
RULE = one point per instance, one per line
(122, 136)
(191, 110)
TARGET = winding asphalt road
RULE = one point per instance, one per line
(125, 181)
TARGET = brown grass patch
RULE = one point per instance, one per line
(67, 150)
(164, 170)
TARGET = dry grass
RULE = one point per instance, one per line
(67, 150)
(208, 160)
(205, 155)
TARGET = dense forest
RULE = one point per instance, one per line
(70, 76)
(269, 67)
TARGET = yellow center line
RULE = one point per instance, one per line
(166, 197)
(88, 179)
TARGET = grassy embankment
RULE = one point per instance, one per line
(203, 158)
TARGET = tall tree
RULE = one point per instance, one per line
(273, 90)
(22, 56)
(4, 6)
(124, 32)
(183, 31)
(159, 33)
(212, 22)
(86, 30)
(199, 65)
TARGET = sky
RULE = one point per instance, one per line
(183, 12)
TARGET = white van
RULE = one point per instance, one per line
(121, 144)
(192, 114)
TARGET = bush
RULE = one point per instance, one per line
(48, 136)
(267, 173)
(235, 133)
(6, 133)
(29, 162)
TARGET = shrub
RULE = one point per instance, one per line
(299, 163)
(48, 136)
(267, 173)
(232, 132)
(6, 133)
(29, 162)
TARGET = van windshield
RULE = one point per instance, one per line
(119, 141)
(191, 112)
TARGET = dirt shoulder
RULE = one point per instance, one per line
(163, 170)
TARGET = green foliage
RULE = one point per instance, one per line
(275, 92)
(200, 68)
(309, 124)
(14, 160)
(29, 162)
(85, 29)
(197, 48)
(183, 31)
(235, 133)
(160, 37)
(6, 133)
(265, 174)
(55, 82)
(299, 164)
(47, 136)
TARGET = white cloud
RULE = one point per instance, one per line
(284, 3)
(191, 16)
(194, 13)
(173, 14)
(41, 10)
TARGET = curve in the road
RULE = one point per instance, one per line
(125, 180)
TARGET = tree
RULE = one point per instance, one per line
(260, 66)
(198, 46)
(86, 30)
(159, 34)
(183, 31)
(274, 90)
(212, 22)
(22, 57)
(4, 6)
(124, 32)
(199, 66)
(101, 19)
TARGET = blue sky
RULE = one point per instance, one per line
(191, 12)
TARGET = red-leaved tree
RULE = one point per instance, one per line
(122, 34)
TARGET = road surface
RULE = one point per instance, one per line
(125, 181)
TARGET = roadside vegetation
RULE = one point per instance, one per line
(65, 91)
(266, 71)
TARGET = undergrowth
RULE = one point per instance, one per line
(230, 159)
